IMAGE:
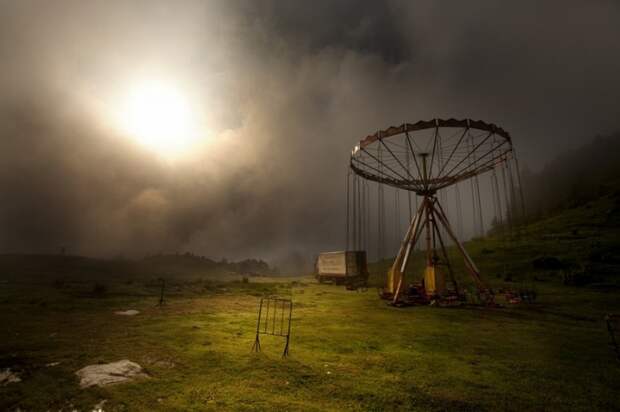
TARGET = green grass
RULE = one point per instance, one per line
(349, 350)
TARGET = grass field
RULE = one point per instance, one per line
(349, 350)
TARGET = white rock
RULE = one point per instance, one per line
(99, 407)
(130, 312)
(109, 373)
(6, 377)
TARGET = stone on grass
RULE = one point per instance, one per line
(130, 312)
(7, 376)
(109, 373)
(99, 407)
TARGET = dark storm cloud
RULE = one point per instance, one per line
(366, 27)
(288, 88)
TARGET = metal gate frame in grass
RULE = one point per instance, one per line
(275, 312)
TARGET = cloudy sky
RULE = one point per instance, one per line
(278, 93)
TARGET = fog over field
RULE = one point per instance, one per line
(282, 91)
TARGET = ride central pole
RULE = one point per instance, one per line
(427, 215)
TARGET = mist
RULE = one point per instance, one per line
(285, 91)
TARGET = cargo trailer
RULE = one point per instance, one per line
(345, 267)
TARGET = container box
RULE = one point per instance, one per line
(342, 267)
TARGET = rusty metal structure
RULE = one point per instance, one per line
(425, 159)
(274, 318)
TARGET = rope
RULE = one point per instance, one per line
(416, 208)
(380, 211)
(367, 226)
(347, 211)
(396, 218)
(497, 203)
(359, 214)
(355, 212)
(408, 191)
(519, 182)
(506, 199)
(508, 222)
(479, 205)
(442, 193)
(473, 196)
(513, 196)
(477, 192)
(362, 215)
(459, 211)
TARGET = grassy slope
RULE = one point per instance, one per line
(584, 238)
(349, 350)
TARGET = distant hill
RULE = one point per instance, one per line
(30, 267)
(190, 263)
(574, 177)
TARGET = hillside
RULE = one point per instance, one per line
(574, 177)
(577, 245)
(49, 268)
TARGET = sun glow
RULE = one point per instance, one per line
(158, 116)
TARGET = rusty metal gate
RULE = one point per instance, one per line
(274, 318)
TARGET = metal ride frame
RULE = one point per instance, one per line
(266, 322)
(471, 148)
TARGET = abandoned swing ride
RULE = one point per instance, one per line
(431, 161)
